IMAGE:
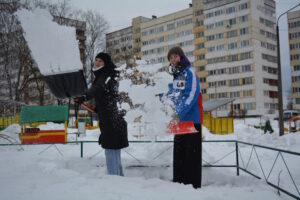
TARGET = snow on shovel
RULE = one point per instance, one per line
(55, 51)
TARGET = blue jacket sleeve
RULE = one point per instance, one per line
(189, 95)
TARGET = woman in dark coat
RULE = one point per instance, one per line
(113, 127)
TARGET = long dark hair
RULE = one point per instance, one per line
(176, 51)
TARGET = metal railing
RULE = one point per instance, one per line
(243, 166)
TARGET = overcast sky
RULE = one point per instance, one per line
(119, 13)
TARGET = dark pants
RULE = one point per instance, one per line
(187, 158)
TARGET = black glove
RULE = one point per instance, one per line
(80, 100)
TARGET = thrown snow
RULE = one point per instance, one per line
(53, 47)
(149, 116)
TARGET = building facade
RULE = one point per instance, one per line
(231, 44)
(161, 34)
(294, 40)
(119, 44)
(240, 45)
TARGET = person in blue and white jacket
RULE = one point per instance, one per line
(185, 93)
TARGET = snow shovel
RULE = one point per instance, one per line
(181, 128)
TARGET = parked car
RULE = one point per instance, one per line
(288, 114)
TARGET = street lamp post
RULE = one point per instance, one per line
(280, 105)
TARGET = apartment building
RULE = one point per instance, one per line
(119, 44)
(294, 40)
(231, 44)
(161, 34)
(240, 54)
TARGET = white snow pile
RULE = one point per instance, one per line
(146, 114)
(53, 47)
(41, 172)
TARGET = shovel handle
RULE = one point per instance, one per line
(88, 107)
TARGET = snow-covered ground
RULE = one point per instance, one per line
(49, 172)
(31, 172)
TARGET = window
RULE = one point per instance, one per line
(216, 60)
(234, 82)
(171, 26)
(266, 22)
(245, 43)
(230, 10)
(160, 50)
(160, 29)
(246, 68)
(247, 81)
(160, 39)
(295, 46)
(199, 23)
(232, 46)
(296, 78)
(161, 59)
(144, 33)
(233, 70)
(231, 22)
(208, 15)
(269, 58)
(297, 100)
(248, 106)
(247, 93)
(233, 58)
(218, 12)
(210, 37)
(297, 68)
(200, 68)
(189, 53)
(200, 46)
(188, 43)
(210, 26)
(188, 32)
(219, 35)
(231, 34)
(201, 57)
(152, 41)
(218, 24)
(244, 31)
(295, 57)
(234, 94)
(236, 106)
(171, 37)
(220, 47)
(199, 34)
(198, 12)
(152, 31)
(295, 35)
(243, 6)
(211, 49)
(294, 24)
(245, 55)
(243, 18)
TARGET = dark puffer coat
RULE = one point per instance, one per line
(104, 90)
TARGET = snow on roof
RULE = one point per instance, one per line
(53, 47)
(213, 104)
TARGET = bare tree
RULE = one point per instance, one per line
(61, 9)
(96, 27)
(8, 33)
